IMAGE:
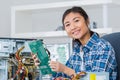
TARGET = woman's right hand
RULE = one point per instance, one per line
(36, 61)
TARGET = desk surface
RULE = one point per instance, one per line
(96, 76)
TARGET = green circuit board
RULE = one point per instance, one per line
(37, 47)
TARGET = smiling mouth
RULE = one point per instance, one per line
(76, 32)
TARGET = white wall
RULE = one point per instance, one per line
(5, 15)
(5, 18)
(114, 17)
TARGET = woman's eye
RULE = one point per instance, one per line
(76, 20)
(67, 25)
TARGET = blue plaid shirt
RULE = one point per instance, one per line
(99, 56)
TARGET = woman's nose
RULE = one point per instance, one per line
(73, 26)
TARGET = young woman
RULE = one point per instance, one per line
(90, 53)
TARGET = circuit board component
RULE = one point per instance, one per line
(37, 47)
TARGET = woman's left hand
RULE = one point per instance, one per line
(57, 66)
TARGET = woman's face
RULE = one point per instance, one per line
(75, 25)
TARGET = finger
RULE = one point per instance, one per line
(52, 62)
(52, 65)
(34, 56)
(53, 68)
(36, 60)
(36, 64)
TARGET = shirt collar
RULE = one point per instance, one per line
(93, 39)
